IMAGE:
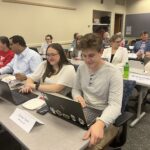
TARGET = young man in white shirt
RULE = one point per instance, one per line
(98, 84)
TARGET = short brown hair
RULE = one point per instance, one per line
(114, 37)
(91, 41)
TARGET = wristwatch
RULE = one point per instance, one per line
(37, 86)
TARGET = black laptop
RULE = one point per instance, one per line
(13, 95)
(72, 111)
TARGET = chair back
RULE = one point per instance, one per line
(128, 86)
(34, 49)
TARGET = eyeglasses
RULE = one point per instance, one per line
(47, 39)
(118, 41)
(51, 55)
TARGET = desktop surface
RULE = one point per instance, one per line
(55, 134)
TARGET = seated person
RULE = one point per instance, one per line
(98, 84)
(77, 53)
(25, 60)
(115, 54)
(143, 45)
(122, 43)
(6, 54)
(48, 41)
(74, 42)
(55, 74)
(106, 40)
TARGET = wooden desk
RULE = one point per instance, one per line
(56, 134)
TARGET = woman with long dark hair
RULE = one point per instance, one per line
(55, 74)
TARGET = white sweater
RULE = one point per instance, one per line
(102, 90)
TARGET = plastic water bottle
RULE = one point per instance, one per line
(126, 71)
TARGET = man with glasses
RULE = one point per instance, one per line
(25, 60)
(142, 46)
(98, 84)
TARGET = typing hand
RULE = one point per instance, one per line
(26, 88)
(95, 133)
(81, 100)
(20, 76)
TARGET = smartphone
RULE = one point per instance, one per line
(43, 110)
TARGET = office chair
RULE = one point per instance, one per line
(122, 120)
(35, 49)
(8, 142)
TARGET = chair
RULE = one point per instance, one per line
(121, 121)
(8, 142)
(35, 49)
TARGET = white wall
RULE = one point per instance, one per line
(137, 6)
(34, 22)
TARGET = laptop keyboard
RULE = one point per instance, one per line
(91, 114)
(21, 97)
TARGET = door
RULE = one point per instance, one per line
(118, 23)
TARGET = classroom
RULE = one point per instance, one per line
(74, 74)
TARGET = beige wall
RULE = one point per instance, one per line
(34, 22)
(138, 6)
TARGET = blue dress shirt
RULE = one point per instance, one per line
(138, 44)
(25, 62)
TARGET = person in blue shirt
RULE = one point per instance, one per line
(25, 60)
(143, 45)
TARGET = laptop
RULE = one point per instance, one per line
(72, 111)
(136, 67)
(13, 95)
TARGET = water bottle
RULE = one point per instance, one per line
(126, 71)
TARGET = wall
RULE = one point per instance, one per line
(34, 22)
(137, 7)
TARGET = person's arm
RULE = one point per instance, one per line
(113, 110)
(65, 79)
(48, 87)
(77, 91)
(20, 76)
(27, 86)
(124, 58)
(95, 133)
(8, 68)
(34, 77)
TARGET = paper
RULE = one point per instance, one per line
(140, 78)
(34, 103)
(128, 30)
(132, 55)
(9, 78)
(24, 119)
